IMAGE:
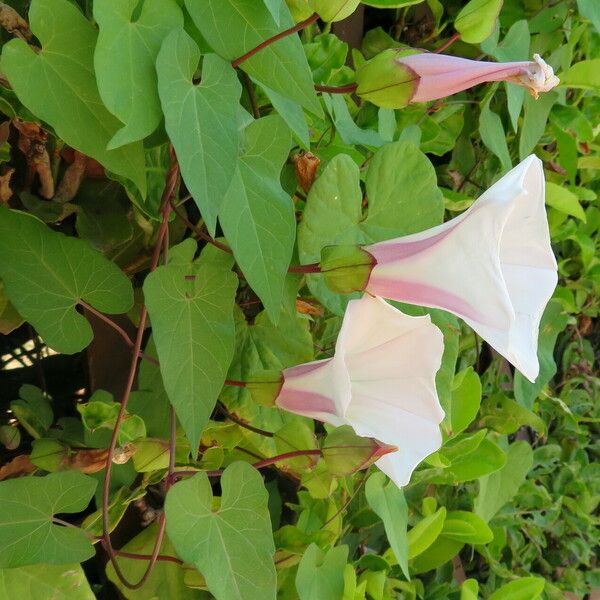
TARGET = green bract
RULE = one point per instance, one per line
(385, 81)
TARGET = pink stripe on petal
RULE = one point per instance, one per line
(304, 368)
(423, 295)
(305, 403)
(392, 251)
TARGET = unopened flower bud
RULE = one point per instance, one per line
(346, 269)
(264, 387)
(344, 452)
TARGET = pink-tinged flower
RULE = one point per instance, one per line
(397, 76)
(442, 75)
(381, 382)
(492, 266)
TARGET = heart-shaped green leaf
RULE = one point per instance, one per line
(231, 544)
(257, 215)
(191, 308)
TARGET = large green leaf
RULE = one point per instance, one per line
(46, 273)
(201, 120)
(230, 542)
(41, 582)
(498, 488)
(58, 85)
(387, 500)
(257, 215)
(534, 121)
(27, 534)
(166, 580)
(321, 574)
(403, 198)
(125, 59)
(191, 308)
(281, 66)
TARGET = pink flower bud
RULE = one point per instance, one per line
(441, 75)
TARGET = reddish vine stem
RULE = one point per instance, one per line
(298, 27)
(312, 268)
(448, 43)
(199, 231)
(257, 465)
(118, 329)
(170, 186)
(333, 89)
(242, 423)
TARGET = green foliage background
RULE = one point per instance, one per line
(508, 507)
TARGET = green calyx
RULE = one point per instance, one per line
(264, 387)
(386, 81)
(346, 269)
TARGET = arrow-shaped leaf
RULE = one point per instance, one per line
(201, 120)
(191, 307)
(257, 215)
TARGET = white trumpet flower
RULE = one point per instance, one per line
(381, 382)
(492, 266)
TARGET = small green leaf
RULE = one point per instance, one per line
(48, 454)
(390, 3)
(58, 85)
(466, 399)
(320, 574)
(125, 58)
(33, 410)
(27, 534)
(477, 19)
(232, 546)
(46, 273)
(526, 588)
(498, 488)
(467, 527)
(440, 552)
(10, 437)
(281, 66)
(190, 303)
(387, 500)
(534, 121)
(257, 215)
(425, 532)
(201, 120)
(469, 590)
(564, 200)
(492, 131)
(41, 582)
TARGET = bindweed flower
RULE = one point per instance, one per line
(397, 77)
(381, 382)
(492, 266)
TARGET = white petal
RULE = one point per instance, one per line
(492, 265)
